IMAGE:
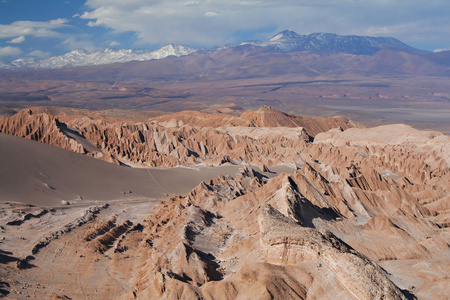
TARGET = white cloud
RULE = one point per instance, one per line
(162, 22)
(441, 50)
(204, 22)
(17, 40)
(114, 44)
(75, 42)
(58, 22)
(92, 24)
(10, 51)
(30, 28)
(39, 54)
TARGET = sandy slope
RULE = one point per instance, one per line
(40, 174)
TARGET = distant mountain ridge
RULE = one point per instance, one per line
(290, 41)
(285, 41)
(81, 57)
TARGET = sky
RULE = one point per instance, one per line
(45, 28)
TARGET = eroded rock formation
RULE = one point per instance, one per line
(356, 198)
(186, 138)
(41, 127)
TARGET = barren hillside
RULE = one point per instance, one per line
(360, 213)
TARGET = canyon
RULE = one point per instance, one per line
(224, 203)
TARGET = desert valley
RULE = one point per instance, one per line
(253, 171)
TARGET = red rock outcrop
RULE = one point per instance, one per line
(269, 117)
(40, 127)
(185, 138)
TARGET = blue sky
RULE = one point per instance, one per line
(47, 28)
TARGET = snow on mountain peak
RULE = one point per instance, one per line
(82, 57)
(285, 41)
(285, 35)
(289, 41)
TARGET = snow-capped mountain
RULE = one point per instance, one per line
(81, 57)
(4, 65)
(290, 41)
(286, 41)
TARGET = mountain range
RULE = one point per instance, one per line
(82, 57)
(285, 41)
(290, 41)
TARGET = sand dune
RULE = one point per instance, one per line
(40, 174)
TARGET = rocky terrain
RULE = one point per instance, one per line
(359, 213)
(186, 138)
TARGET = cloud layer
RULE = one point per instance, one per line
(19, 32)
(93, 24)
(10, 51)
(17, 40)
(29, 28)
(207, 22)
